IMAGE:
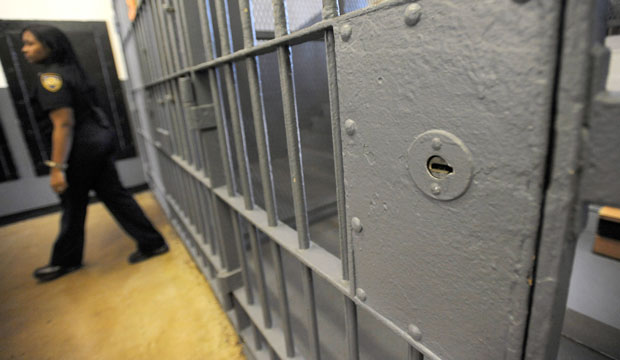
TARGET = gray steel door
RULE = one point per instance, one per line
(374, 180)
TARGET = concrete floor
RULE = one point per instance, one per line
(159, 309)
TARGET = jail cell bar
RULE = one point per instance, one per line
(215, 160)
(205, 212)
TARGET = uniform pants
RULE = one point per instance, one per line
(101, 176)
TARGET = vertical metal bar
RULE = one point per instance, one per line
(167, 11)
(206, 28)
(222, 131)
(330, 9)
(182, 47)
(291, 122)
(293, 142)
(312, 324)
(140, 47)
(350, 320)
(258, 113)
(260, 275)
(156, 39)
(245, 274)
(162, 38)
(180, 119)
(195, 134)
(414, 354)
(150, 44)
(188, 51)
(220, 209)
(170, 118)
(285, 314)
(144, 49)
(230, 78)
(202, 224)
(258, 344)
(196, 203)
(272, 354)
(217, 234)
(168, 19)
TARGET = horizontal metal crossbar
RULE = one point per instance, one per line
(313, 32)
(286, 237)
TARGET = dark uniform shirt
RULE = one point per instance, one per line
(62, 86)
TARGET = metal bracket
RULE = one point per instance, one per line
(202, 117)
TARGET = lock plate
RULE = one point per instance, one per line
(440, 164)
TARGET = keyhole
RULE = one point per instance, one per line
(438, 167)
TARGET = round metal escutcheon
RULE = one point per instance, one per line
(440, 164)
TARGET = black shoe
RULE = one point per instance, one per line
(140, 255)
(51, 272)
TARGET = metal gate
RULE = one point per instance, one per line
(396, 181)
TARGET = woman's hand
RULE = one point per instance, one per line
(58, 181)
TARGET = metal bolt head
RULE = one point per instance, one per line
(356, 224)
(361, 294)
(436, 143)
(413, 14)
(435, 189)
(349, 127)
(345, 32)
(415, 332)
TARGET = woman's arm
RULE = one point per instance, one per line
(62, 136)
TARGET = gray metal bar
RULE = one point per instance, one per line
(258, 113)
(260, 275)
(180, 121)
(145, 49)
(217, 235)
(156, 39)
(350, 323)
(273, 355)
(199, 157)
(310, 33)
(291, 122)
(313, 32)
(285, 314)
(413, 354)
(332, 78)
(258, 344)
(318, 259)
(167, 11)
(230, 78)
(203, 221)
(220, 211)
(245, 274)
(163, 39)
(196, 203)
(147, 35)
(272, 336)
(330, 9)
(206, 28)
(312, 324)
(182, 46)
(557, 236)
(214, 82)
(171, 119)
(141, 48)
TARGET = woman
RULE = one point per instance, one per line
(82, 153)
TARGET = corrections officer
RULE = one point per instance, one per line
(82, 154)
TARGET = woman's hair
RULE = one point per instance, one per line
(60, 49)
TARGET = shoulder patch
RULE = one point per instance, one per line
(52, 82)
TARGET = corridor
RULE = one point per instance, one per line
(159, 309)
